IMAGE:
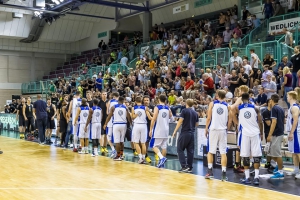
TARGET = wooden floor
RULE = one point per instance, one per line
(31, 171)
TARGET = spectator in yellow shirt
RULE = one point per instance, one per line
(151, 63)
(172, 98)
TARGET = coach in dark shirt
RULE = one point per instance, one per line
(276, 132)
(102, 104)
(40, 109)
(189, 120)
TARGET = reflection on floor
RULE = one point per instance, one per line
(288, 185)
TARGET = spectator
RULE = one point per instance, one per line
(256, 22)
(99, 83)
(124, 61)
(191, 69)
(261, 98)
(295, 59)
(238, 31)
(287, 83)
(227, 35)
(268, 9)
(188, 89)
(208, 84)
(247, 67)
(234, 42)
(224, 79)
(288, 39)
(233, 81)
(245, 13)
(235, 57)
(284, 62)
(264, 80)
(243, 77)
(271, 87)
(279, 10)
(268, 60)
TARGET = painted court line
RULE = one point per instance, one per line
(114, 190)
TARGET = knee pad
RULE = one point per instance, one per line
(246, 161)
(256, 159)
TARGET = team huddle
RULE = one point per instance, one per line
(150, 126)
(249, 122)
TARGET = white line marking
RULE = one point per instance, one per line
(114, 190)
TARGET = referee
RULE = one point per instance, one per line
(189, 121)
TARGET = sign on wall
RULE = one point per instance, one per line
(199, 3)
(181, 8)
(277, 26)
(103, 34)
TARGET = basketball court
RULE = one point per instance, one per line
(33, 171)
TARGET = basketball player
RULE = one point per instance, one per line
(293, 129)
(242, 89)
(146, 102)
(121, 116)
(160, 133)
(216, 131)
(82, 117)
(251, 129)
(51, 111)
(74, 105)
(21, 118)
(94, 121)
(29, 117)
(140, 131)
(102, 104)
(109, 129)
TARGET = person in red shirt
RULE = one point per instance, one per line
(152, 92)
(208, 84)
(188, 89)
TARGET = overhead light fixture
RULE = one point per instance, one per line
(61, 1)
(193, 15)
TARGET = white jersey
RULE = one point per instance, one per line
(84, 114)
(112, 103)
(76, 104)
(161, 127)
(219, 118)
(248, 120)
(290, 120)
(97, 114)
(141, 112)
(120, 114)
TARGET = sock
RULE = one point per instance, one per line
(256, 173)
(112, 148)
(121, 152)
(118, 154)
(296, 168)
(75, 146)
(140, 156)
(223, 169)
(146, 155)
(95, 150)
(280, 171)
(143, 157)
(160, 155)
(247, 173)
(237, 164)
(209, 165)
(133, 150)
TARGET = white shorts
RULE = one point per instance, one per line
(82, 133)
(294, 145)
(159, 142)
(250, 146)
(95, 131)
(217, 138)
(119, 131)
(109, 133)
(139, 133)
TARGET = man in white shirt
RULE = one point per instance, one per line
(247, 67)
(235, 57)
(124, 61)
(141, 73)
(254, 60)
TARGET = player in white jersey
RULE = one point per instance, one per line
(120, 116)
(293, 129)
(238, 168)
(81, 118)
(74, 104)
(109, 129)
(94, 121)
(159, 129)
(251, 129)
(140, 131)
(216, 131)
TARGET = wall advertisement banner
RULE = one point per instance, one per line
(277, 27)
